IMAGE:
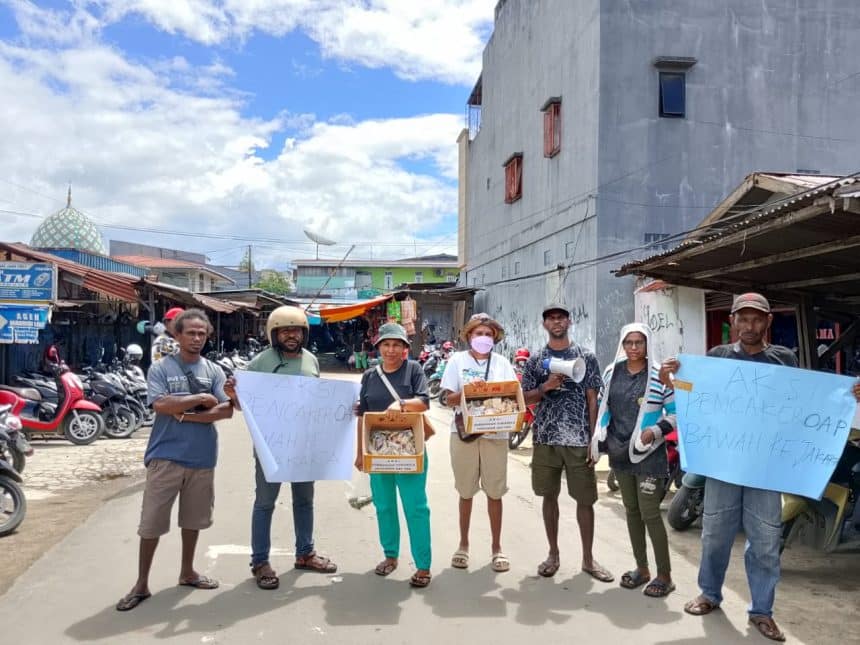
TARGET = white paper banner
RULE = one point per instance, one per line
(303, 428)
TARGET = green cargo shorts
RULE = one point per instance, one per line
(548, 462)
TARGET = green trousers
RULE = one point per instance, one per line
(360, 360)
(641, 495)
(413, 496)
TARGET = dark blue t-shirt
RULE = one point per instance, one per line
(193, 445)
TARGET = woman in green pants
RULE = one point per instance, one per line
(636, 410)
(408, 380)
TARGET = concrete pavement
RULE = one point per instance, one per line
(68, 596)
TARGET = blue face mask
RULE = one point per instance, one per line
(482, 344)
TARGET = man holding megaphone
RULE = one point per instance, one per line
(563, 379)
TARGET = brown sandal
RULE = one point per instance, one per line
(385, 567)
(767, 627)
(314, 562)
(266, 581)
(700, 606)
(420, 579)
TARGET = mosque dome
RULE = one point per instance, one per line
(69, 228)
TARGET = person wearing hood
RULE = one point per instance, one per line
(636, 411)
(481, 463)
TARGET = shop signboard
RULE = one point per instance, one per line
(27, 282)
(22, 323)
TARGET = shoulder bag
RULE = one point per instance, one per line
(429, 430)
(459, 421)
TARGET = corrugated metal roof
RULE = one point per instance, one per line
(833, 189)
(112, 285)
(169, 263)
(187, 297)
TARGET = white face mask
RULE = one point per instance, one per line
(482, 344)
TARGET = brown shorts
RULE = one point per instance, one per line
(164, 481)
(480, 464)
(548, 462)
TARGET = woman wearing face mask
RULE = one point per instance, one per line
(636, 410)
(483, 463)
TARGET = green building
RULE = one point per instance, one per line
(368, 278)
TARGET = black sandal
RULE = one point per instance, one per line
(265, 581)
(659, 588)
(633, 579)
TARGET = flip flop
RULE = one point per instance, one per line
(599, 573)
(633, 579)
(200, 582)
(501, 563)
(658, 588)
(549, 567)
(129, 602)
(700, 606)
(460, 559)
(384, 568)
(767, 627)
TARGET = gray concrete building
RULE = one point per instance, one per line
(598, 129)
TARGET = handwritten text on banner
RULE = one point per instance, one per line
(303, 428)
(760, 425)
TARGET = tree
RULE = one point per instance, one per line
(275, 282)
(246, 260)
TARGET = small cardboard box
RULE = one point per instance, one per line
(390, 421)
(493, 422)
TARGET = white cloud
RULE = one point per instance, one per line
(144, 150)
(439, 40)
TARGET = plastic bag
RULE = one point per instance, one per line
(358, 490)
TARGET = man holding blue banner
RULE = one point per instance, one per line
(727, 506)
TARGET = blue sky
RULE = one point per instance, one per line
(210, 115)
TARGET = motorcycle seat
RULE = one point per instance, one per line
(29, 393)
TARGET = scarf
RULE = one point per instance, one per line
(657, 411)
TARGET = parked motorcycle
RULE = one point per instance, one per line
(515, 439)
(434, 381)
(16, 450)
(13, 504)
(688, 503)
(72, 416)
(831, 521)
(107, 391)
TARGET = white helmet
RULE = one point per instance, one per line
(134, 352)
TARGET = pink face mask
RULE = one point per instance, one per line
(482, 344)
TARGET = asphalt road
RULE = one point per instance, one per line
(68, 595)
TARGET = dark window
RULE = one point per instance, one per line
(547, 258)
(672, 95)
(569, 249)
(516, 268)
(514, 178)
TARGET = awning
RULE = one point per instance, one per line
(186, 297)
(334, 313)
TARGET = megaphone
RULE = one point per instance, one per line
(574, 370)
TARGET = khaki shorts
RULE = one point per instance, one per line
(164, 481)
(479, 464)
(548, 462)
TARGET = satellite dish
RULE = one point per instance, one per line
(318, 239)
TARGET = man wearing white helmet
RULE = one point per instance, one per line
(287, 329)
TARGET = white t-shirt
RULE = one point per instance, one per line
(462, 368)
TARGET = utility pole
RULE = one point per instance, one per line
(250, 265)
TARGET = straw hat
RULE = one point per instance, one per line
(483, 319)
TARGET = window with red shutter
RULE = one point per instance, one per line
(514, 178)
(551, 127)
